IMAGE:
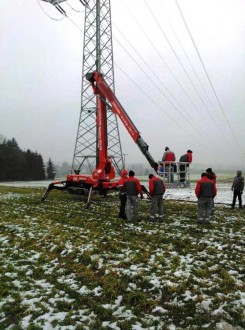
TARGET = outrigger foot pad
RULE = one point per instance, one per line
(45, 195)
(53, 186)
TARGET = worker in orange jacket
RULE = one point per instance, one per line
(205, 191)
(157, 190)
(132, 188)
(169, 158)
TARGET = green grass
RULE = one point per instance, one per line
(68, 267)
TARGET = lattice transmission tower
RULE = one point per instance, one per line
(97, 55)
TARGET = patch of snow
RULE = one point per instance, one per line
(97, 291)
(159, 309)
(123, 313)
(84, 290)
(113, 325)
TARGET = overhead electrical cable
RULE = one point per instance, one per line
(144, 93)
(149, 78)
(141, 89)
(155, 75)
(205, 70)
(188, 76)
(54, 19)
(187, 57)
(196, 127)
(204, 119)
(78, 11)
(156, 104)
(157, 88)
(63, 12)
(165, 63)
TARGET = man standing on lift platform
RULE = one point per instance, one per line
(169, 158)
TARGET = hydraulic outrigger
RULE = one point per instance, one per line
(102, 177)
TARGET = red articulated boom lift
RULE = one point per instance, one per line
(102, 177)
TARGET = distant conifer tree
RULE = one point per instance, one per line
(50, 170)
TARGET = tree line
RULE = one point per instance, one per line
(16, 164)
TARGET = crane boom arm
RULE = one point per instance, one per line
(102, 89)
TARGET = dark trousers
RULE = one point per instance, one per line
(123, 200)
(204, 206)
(182, 173)
(156, 207)
(237, 193)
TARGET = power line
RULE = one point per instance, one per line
(78, 11)
(153, 82)
(204, 68)
(63, 12)
(165, 63)
(187, 57)
(204, 119)
(54, 19)
(136, 62)
(146, 95)
(65, 15)
(156, 104)
(182, 66)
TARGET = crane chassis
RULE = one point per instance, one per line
(102, 178)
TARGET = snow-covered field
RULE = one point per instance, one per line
(63, 267)
(224, 195)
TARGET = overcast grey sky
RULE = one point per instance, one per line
(41, 63)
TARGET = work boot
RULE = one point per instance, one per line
(122, 217)
(160, 219)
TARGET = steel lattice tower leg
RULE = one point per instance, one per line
(97, 55)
